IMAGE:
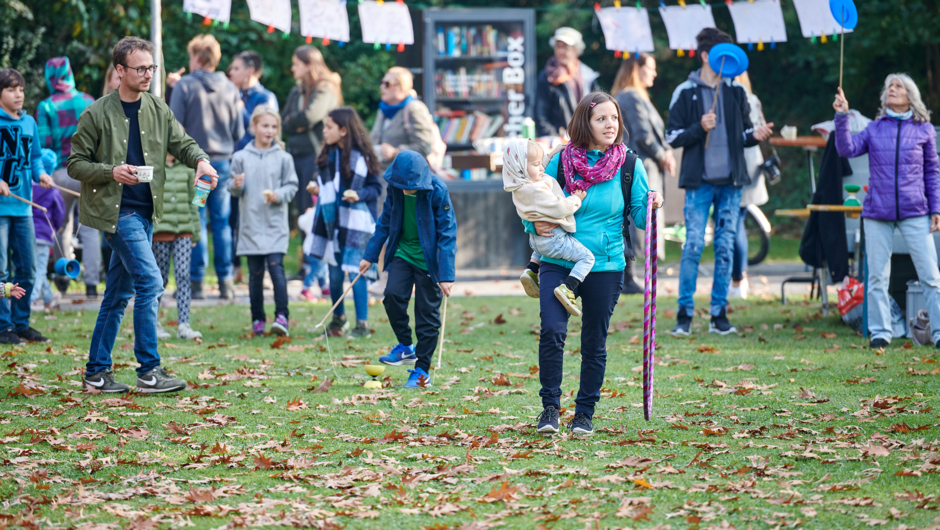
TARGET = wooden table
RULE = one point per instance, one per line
(810, 144)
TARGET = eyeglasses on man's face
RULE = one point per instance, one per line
(388, 84)
(142, 70)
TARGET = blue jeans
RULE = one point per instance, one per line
(133, 270)
(17, 233)
(316, 273)
(739, 261)
(920, 243)
(698, 202)
(41, 287)
(599, 293)
(563, 245)
(219, 207)
(360, 293)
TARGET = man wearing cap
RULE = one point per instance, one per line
(713, 172)
(562, 84)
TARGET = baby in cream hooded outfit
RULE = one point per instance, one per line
(542, 199)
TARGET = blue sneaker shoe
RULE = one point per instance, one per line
(417, 377)
(400, 355)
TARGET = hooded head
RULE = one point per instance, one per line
(515, 160)
(50, 160)
(409, 171)
(59, 76)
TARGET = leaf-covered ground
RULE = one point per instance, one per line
(791, 424)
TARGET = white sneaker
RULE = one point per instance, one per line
(740, 291)
(162, 333)
(187, 333)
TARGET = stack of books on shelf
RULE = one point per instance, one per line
(461, 127)
(471, 41)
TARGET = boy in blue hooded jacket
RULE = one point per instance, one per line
(20, 166)
(419, 231)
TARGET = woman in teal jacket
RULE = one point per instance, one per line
(592, 162)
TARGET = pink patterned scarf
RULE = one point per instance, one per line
(574, 161)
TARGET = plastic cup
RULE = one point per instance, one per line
(202, 193)
(145, 173)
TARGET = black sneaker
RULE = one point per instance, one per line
(91, 291)
(157, 381)
(877, 344)
(581, 425)
(104, 382)
(630, 286)
(683, 323)
(548, 420)
(8, 337)
(720, 324)
(31, 335)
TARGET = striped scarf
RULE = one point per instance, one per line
(341, 230)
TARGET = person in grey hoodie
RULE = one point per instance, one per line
(205, 102)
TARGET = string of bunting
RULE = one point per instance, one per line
(758, 24)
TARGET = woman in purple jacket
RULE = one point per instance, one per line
(903, 193)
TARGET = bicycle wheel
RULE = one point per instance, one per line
(758, 241)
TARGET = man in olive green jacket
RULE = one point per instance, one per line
(118, 137)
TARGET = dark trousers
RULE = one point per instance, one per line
(307, 171)
(275, 266)
(233, 223)
(402, 276)
(599, 293)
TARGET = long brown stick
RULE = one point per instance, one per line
(715, 100)
(339, 300)
(440, 352)
(66, 190)
(31, 203)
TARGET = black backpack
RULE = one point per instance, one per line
(626, 186)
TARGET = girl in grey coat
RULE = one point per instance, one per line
(265, 182)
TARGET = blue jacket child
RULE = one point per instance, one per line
(419, 231)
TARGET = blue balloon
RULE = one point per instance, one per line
(728, 60)
(844, 12)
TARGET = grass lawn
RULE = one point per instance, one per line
(790, 424)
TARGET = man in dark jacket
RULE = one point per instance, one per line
(206, 103)
(713, 172)
(562, 84)
(419, 231)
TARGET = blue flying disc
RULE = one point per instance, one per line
(735, 60)
(844, 12)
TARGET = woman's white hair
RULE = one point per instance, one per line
(921, 114)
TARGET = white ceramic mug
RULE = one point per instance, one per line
(145, 173)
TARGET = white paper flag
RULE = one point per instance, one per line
(386, 23)
(220, 10)
(324, 19)
(816, 19)
(271, 13)
(626, 29)
(758, 21)
(684, 23)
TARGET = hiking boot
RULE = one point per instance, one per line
(877, 344)
(157, 381)
(683, 323)
(630, 286)
(581, 425)
(279, 327)
(31, 335)
(530, 283)
(104, 382)
(308, 295)
(567, 299)
(162, 333)
(183, 331)
(91, 291)
(227, 290)
(548, 420)
(720, 324)
(257, 327)
(400, 355)
(417, 378)
(197, 292)
(8, 337)
(338, 325)
(361, 331)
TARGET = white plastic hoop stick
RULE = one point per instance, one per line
(339, 300)
(31, 203)
(440, 351)
(66, 190)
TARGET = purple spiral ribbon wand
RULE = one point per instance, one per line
(649, 310)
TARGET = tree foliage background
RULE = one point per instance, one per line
(795, 81)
